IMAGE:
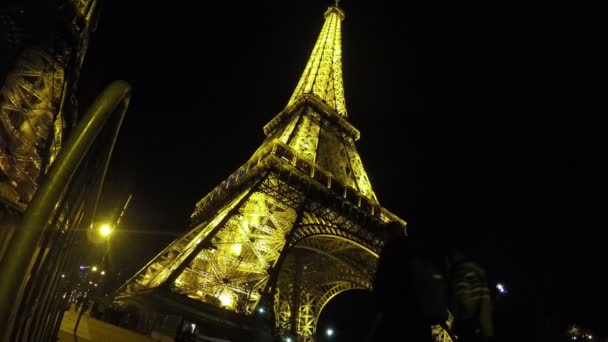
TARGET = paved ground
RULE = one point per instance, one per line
(92, 330)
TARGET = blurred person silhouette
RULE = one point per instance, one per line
(470, 298)
(410, 286)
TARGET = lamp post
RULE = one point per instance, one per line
(105, 231)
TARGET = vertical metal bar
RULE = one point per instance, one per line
(69, 259)
(54, 277)
(40, 284)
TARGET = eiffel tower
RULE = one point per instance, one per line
(293, 227)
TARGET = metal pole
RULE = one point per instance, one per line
(106, 254)
(124, 209)
(83, 307)
(43, 288)
(55, 275)
(15, 266)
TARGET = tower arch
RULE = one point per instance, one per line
(315, 270)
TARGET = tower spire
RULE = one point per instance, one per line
(323, 73)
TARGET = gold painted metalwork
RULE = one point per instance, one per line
(33, 102)
(291, 228)
(234, 268)
(440, 334)
(85, 8)
(323, 73)
(29, 120)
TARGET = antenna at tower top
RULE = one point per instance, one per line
(337, 2)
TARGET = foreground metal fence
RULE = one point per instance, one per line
(44, 249)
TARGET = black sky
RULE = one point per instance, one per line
(470, 117)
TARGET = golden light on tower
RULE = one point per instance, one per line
(226, 299)
(236, 249)
(323, 73)
(305, 191)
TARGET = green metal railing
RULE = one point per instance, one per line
(44, 248)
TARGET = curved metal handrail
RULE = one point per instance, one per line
(16, 265)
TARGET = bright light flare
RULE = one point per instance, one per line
(226, 299)
(501, 288)
(329, 332)
(105, 230)
(237, 248)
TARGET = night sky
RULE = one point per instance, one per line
(471, 120)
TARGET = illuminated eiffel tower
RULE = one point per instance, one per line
(290, 229)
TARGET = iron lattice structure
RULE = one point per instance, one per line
(52, 163)
(38, 88)
(293, 226)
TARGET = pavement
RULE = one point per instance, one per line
(92, 330)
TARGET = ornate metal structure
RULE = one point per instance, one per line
(43, 46)
(44, 252)
(52, 164)
(291, 228)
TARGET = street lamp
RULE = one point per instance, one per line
(94, 268)
(329, 332)
(105, 230)
(103, 272)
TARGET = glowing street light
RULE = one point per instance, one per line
(105, 230)
(94, 268)
(329, 332)
(261, 309)
(103, 272)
